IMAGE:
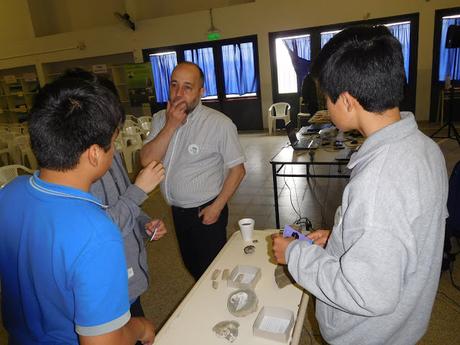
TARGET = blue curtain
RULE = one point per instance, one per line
(299, 51)
(204, 58)
(162, 67)
(325, 37)
(239, 71)
(449, 58)
(402, 33)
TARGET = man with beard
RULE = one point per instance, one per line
(204, 165)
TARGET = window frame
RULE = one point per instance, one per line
(315, 44)
(279, 39)
(218, 64)
(436, 84)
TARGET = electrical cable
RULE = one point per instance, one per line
(303, 222)
(312, 184)
(315, 196)
(323, 225)
(296, 195)
(290, 194)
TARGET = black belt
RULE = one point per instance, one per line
(193, 209)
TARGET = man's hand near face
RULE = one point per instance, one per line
(176, 113)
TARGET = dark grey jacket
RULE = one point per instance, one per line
(124, 199)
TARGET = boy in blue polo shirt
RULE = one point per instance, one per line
(62, 265)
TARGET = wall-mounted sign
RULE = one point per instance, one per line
(139, 81)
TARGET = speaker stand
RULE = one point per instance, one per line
(452, 132)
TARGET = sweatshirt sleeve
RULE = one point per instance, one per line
(125, 211)
(366, 280)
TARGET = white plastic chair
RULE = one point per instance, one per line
(131, 118)
(131, 130)
(130, 123)
(278, 111)
(130, 144)
(9, 172)
(8, 144)
(24, 154)
(4, 154)
(145, 123)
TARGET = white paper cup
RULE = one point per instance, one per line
(246, 227)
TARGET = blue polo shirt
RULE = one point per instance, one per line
(62, 265)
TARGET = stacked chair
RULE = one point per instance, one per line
(145, 123)
(15, 145)
(9, 172)
(130, 139)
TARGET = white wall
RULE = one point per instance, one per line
(15, 23)
(260, 17)
(57, 16)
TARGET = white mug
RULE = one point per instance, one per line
(246, 227)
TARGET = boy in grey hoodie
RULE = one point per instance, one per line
(375, 275)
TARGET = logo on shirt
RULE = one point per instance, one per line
(193, 149)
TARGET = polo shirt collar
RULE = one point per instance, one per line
(56, 190)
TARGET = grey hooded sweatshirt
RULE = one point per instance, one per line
(123, 198)
(376, 280)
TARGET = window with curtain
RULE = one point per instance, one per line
(449, 58)
(239, 70)
(162, 67)
(292, 62)
(402, 32)
(326, 36)
(204, 57)
(282, 48)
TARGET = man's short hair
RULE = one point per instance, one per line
(69, 115)
(200, 71)
(366, 62)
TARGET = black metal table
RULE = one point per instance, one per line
(288, 156)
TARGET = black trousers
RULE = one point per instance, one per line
(137, 311)
(199, 244)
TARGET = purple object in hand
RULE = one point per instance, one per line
(290, 232)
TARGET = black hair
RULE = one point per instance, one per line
(80, 73)
(69, 115)
(366, 62)
(188, 63)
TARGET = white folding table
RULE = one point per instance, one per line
(205, 306)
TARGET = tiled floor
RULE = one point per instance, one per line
(316, 200)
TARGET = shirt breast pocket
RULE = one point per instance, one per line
(199, 150)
